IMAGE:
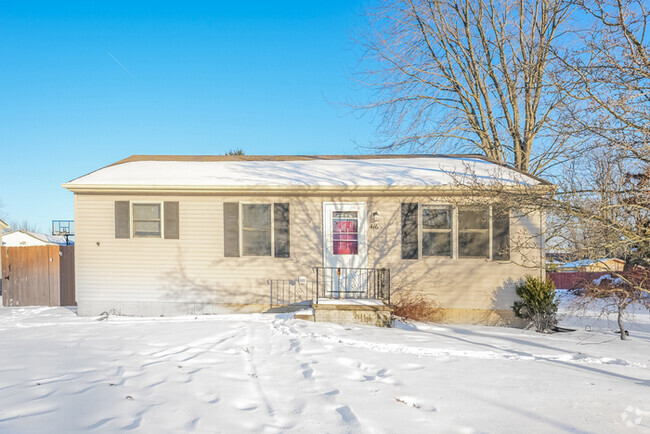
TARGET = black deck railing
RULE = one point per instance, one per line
(363, 283)
(291, 292)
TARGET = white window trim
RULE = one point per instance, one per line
(454, 232)
(160, 203)
(490, 233)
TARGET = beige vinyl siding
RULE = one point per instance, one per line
(137, 272)
(190, 269)
(464, 283)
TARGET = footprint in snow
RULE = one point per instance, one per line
(295, 345)
(347, 415)
(383, 373)
(308, 371)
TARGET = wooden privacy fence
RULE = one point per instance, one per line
(38, 276)
(573, 279)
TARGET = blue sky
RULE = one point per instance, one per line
(85, 84)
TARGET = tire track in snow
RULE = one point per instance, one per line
(577, 358)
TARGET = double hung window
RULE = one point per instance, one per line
(256, 229)
(436, 230)
(259, 229)
(147, 220)
(473, 233)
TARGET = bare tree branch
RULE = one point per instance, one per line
(469, 74)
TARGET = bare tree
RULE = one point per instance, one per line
(616, 294)
(468, 75)
(593, 202)
(609, 83)
(23, 225)
(605, 196)
(604, 211)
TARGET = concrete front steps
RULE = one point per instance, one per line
(349, 311)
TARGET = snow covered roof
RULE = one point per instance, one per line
(286, 172)
(587, 262)
(26, 239)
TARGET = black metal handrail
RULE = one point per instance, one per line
(291, 292)
(360, 283)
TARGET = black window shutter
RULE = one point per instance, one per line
(171, 221)
(410, 231)
(231, 229)
(122, 219)
(281, 231)
(501, 236)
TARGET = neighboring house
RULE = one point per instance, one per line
(3, 227)
(556, 259)
(592, 265)
(27, 239)
(209, 234)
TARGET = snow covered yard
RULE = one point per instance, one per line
(270, 373)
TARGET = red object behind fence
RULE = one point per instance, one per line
(573, 279)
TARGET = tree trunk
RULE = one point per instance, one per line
(620, 323)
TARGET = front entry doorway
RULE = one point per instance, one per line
(345, 250)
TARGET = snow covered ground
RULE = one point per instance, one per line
(270, 373)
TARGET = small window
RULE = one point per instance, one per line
(473, 233)
(146, 220)
(436, 231)
(256, 230)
